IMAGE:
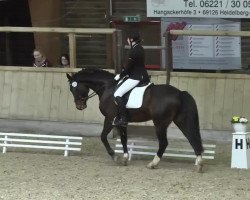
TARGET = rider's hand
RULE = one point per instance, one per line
(117, 77)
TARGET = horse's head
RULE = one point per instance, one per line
(80, 92)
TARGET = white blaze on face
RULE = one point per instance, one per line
(74, 84)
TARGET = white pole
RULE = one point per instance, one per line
(66, 152)
(5, 142)
(130, 151)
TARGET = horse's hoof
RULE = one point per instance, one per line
(152, 166)
(124, 161)
(199, 168)
(115, 158)
(118, 160)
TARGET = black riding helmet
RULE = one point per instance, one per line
(135, 35)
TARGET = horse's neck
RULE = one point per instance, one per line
(99, 88)
(98, 82)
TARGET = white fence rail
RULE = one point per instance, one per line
(37, 141)
(142, 147)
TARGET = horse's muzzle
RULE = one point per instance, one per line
(81, 105)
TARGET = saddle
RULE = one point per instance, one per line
(134, 97)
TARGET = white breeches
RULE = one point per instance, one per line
(125, 87)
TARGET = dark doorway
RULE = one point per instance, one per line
(16, 48)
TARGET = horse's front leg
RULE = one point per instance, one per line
(104, 137)
(123, 134)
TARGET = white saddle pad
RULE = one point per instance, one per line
(136, 97)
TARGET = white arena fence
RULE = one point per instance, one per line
(38, 141)
(143, 147)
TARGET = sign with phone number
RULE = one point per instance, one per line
(199, 8)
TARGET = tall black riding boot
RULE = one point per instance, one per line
(121, 120)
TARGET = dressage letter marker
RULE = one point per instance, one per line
(238, 145)
(241, 150)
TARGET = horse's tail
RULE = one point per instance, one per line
(187, 120)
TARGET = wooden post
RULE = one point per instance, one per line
(8, 48)
(114, 52)
(72, 50)
(118, 55)
(118, 51)
(169, 56)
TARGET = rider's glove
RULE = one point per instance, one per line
(117, 77)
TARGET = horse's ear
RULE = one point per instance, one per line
(69, 77)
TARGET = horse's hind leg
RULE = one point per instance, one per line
(192, 133)
(161, 132)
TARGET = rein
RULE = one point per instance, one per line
(94, 93)
(91, 95)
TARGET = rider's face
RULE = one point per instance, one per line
(129, 40)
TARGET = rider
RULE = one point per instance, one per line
(136, 72)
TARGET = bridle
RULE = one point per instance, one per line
(93, 93)
(90, 96)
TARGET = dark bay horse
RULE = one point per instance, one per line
(161, 103)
